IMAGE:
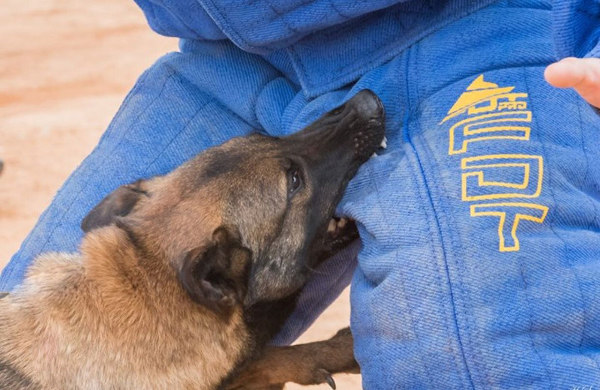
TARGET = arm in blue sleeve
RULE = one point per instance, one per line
(255, 26)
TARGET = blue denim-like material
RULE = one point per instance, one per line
(441, 298)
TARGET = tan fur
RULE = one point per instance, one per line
(306, 364)
(119, 320)
(115, 316)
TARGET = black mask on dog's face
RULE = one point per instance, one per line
(261, 201)
(318, 162)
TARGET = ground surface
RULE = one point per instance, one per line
(65, 66)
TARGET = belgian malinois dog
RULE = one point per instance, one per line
(182, 279)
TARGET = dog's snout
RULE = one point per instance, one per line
(367, 105)
(350, 133)
(368, 109)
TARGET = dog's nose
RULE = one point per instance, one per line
(367, 104)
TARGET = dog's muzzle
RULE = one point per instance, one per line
(369, 110)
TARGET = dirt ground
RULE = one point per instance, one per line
(65, 66)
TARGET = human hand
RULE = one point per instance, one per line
(582, 74)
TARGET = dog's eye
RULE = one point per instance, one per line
(294, 181)
(337, 111)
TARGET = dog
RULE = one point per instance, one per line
(182, 279)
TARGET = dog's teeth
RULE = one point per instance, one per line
(374, 155)
(331, 226)
(383, 143)
(341, 223)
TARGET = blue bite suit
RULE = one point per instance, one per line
(480, 223)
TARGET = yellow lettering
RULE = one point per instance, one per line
(500, 125)
(510, 214)
(522, 176)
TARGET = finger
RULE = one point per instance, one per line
(566, 73)
(582, 74)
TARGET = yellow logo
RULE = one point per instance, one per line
(496, 114)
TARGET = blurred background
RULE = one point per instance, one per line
(65, 67)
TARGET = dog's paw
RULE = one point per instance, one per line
(262, 378)
(304, 364)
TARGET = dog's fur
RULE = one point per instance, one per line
(182, 279)
(305, 364)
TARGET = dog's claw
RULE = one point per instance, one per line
(331, 382)
(328, 378)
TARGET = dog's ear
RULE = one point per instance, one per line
(215, 275)
(118, 203)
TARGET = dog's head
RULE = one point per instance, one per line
(245, 221)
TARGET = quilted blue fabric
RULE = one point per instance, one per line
(480, 259)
